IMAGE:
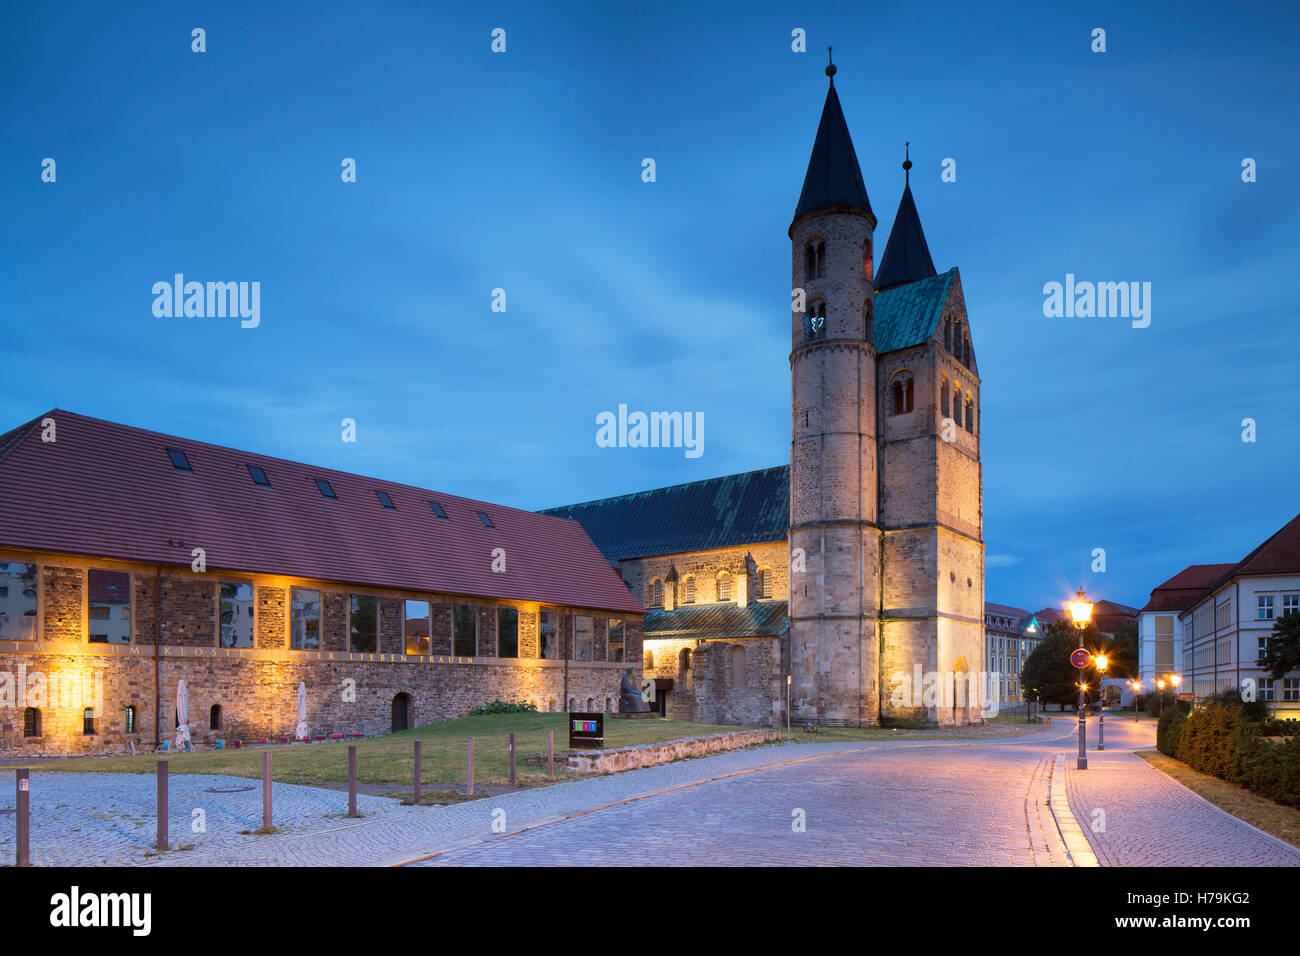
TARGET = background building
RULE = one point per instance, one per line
(1010, 635)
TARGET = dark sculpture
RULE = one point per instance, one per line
(629, 696)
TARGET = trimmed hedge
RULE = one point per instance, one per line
(503, 707)
(1221, 740)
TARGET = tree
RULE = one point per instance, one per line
(1048, 673)
(1283, 646)
(1123, 652)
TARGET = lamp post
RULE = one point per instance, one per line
(1081, 612)
(1160, 707)
(1176, 680)
(1101, 662)
(1137, 689)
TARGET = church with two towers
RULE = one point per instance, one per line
(849, 583)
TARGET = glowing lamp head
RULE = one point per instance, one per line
(1100, 661)
(1160, 684)
(1176, 679)
(1081, 610)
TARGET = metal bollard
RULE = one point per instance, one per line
(352, 780)
(266, 790)
(23, 784)
(512, 760)
(470, 788)
(417, 774)
(162, 806)
(550, 751)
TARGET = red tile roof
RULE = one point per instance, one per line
(1279, 554)
(1181, 591)
(109, 490)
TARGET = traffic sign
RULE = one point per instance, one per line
(1080, 657)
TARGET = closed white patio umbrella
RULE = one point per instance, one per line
(182, 740)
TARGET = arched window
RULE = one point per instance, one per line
(970, 414)
(31, 722)
(214, 717)
(688, 590)
(764, 583)
(902, 393)
(815, 321)
(738, 678)
(590, 704)
(956, 407)
(130, 720)
(943, 399)
(966, 352)
(724, 587)
(88, 722)
(814, 259)
(656, 593)
(648, 663)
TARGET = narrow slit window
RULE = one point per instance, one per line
(487, 522)
(386, 501)
(258, 476)
(325, 489)
(437, 509)
(179, 460)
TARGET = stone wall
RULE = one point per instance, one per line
(647, 755)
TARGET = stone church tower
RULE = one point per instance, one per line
(886, 575)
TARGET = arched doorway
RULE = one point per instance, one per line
(961, 693)
(401, 712)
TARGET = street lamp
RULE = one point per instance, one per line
(1137, 689)
(1081, 612)
(1160, 708)
(1101, 662)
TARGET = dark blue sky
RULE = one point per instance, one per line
(522, 171)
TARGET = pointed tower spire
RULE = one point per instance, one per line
(906, 257)
(833, 177)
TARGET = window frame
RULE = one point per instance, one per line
(353, 600)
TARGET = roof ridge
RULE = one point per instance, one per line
(16, 436)
(647, 491)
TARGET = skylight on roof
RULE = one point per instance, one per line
(179, 461)
(384, 500)
(258, 475)
(325, 489)
(437, 509)
(487, 522)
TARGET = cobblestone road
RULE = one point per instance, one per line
(905, 803)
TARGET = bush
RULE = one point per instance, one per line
(1273, 770)
(1169, 731)
(503, 707)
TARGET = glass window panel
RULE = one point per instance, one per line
(615, 649)
(17, 601)
(364, 630)
(417, 627)
(466, 631)
(507, 632)
(109, 596)
(304, 620)
(548, 635)
(236, 614)
(584, 627)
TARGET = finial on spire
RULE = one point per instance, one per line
(830, 66)
(907, 163)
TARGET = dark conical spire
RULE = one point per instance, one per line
(833, 177)
(906, 257)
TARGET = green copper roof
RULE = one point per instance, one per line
(907, 314)
(703, 621)
(748, 508)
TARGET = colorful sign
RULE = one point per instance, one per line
(586, 731)
(1080, 657)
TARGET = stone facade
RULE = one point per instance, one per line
(63, 674)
